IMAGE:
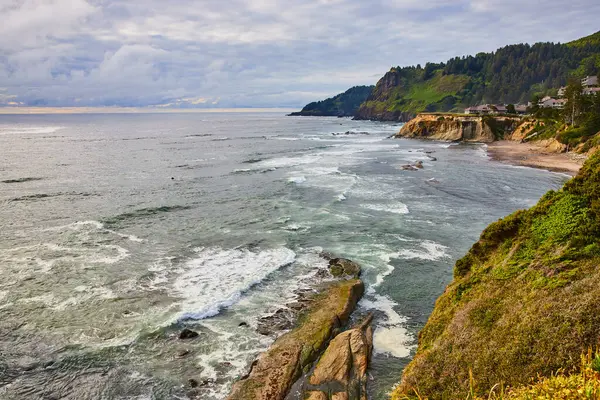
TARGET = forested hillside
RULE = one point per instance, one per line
(343, 105)
(512, 74)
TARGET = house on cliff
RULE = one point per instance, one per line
(591, 90)
(589, 81)
(549, 102)
(486, 109)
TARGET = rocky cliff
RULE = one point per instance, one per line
(524, 303)
(465, 128)
(376, 108)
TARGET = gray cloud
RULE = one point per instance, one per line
(258, 53)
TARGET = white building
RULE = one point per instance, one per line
(549, 102)
(589, 81)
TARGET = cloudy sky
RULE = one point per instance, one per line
(249, 53)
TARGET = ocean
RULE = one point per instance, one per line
(119, 230)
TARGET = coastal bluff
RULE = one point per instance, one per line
(453, 127)
(524, 304)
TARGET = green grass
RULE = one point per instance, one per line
(525, 300)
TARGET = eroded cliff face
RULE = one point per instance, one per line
(484, 129)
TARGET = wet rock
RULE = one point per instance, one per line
(412, 167)
(281, 320)
(188, 334)
(432, 158)
(316, 395)
(193, 383)
(183, 353)
(340, 267)
(326, 255)
(242, 324)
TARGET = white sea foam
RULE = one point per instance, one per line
(286, 162)
(341, 197)
(393, 340)
(429, 251)
(390, 336)
(18, 129)
(217, 278)
(297, 179)
(85, 293)
(297, 227)
(79, 225)
(3, 294)
(397, 208)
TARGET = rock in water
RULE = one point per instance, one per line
(341, 373)
(276, 370)
(188, 334)
(342, 267)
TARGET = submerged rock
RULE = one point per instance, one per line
(188, 334)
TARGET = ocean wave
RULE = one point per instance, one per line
(21, 180)
(40, 196)
(297, 179)
(78, 225)
(142, 213)
(253, 160)
(217, 278)
(429, 251)
(17, 129)
(396, 208)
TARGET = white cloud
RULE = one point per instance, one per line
(249, 52)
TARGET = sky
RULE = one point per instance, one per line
(249, 53)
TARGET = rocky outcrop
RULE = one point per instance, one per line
(343, 267)
(293, 354)
(484, 129)
(341, 373)
(375, 107)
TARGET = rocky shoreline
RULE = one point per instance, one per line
(292, 356)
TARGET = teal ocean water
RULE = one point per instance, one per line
(117, 231)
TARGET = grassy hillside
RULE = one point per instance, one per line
(525, 300)
(343, 105)
(512, 74)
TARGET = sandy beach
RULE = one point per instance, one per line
(536, 156)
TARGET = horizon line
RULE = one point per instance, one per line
(133, 110)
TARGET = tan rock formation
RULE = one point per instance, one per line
(341, 373)
(484, 129)
(276, 370)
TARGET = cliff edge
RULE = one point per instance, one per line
(467, 128)
(524, 303)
